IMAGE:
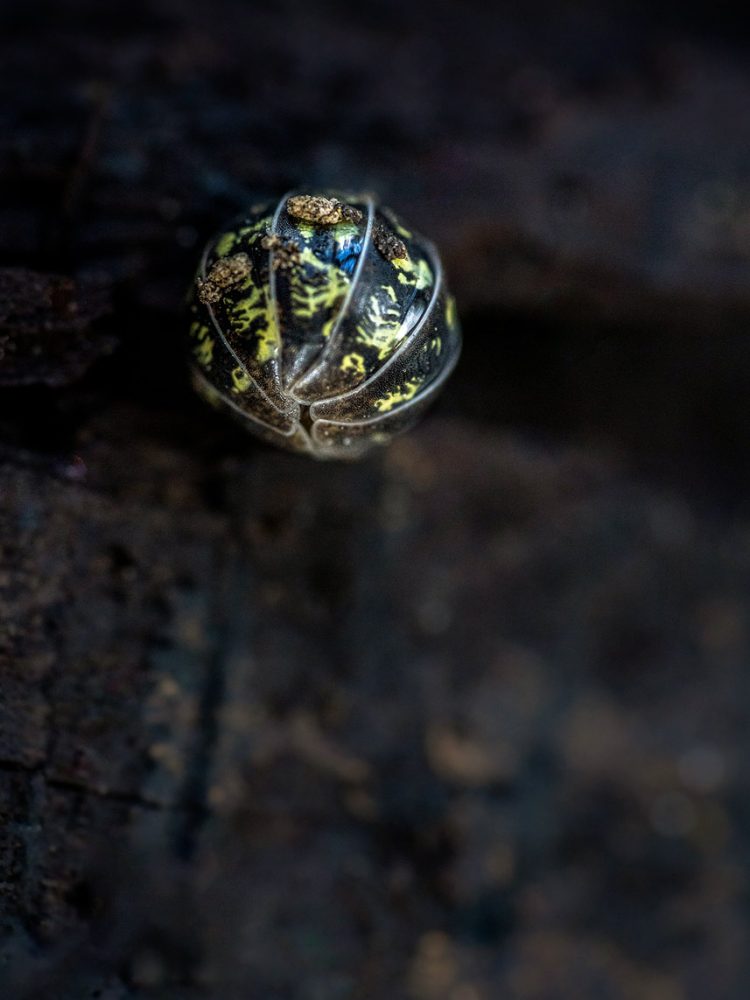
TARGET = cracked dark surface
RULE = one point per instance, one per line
(468, 720)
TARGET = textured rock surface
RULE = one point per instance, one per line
(468, 720)
(469, 716)
(47, 326)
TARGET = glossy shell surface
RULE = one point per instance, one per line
(325, 330)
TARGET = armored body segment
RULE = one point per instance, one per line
(241, 310)
(386, 302)
(323, 323)
(312, 280)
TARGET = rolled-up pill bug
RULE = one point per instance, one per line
(322, 323)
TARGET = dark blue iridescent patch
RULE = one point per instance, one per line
(347, 255)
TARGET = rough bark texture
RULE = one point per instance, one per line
(468, 720)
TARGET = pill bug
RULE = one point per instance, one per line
(322, 323)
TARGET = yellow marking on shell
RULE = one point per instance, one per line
(436, 345)
(268, 344)
(227, 241)
(257, 228)
(450, 311)
(343, 231)
(398, 227)
(353, 362)
(384, 328)
(310, 297)
(225, 244)
(241, 381)
(402, 394)
(305, 229)
(257, 306)
(204, 348)
(418, 275)
(204, 352)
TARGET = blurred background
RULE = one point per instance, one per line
(468, 720)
